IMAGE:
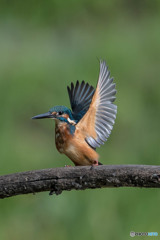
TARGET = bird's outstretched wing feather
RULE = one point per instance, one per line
(98, 122)
(80, 97)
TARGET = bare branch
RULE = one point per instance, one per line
(57, 180)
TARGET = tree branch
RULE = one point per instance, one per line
(57, 180)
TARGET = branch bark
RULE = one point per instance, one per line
(57, 180)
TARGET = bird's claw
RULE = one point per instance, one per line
(95, 163)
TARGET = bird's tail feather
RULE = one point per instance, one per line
(99, 163)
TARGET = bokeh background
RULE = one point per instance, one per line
(44, 45)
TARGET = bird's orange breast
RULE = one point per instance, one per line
(74, 146)
(62, 136)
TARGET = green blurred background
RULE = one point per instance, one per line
(44, 45)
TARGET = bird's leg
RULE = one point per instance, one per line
(95, 163)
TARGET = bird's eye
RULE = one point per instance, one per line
(60, 113)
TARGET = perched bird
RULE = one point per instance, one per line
(78, 132)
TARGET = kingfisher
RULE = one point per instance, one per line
(79, 131)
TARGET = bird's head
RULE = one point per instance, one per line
(59, 113)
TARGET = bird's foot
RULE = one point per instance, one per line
(95, 163)
(68, 165)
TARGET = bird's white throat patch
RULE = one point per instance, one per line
(71, 121)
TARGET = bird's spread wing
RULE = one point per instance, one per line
(80, 97)
(98, 122)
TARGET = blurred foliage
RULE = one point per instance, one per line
(45, 45)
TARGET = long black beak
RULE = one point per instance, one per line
(44, 115)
